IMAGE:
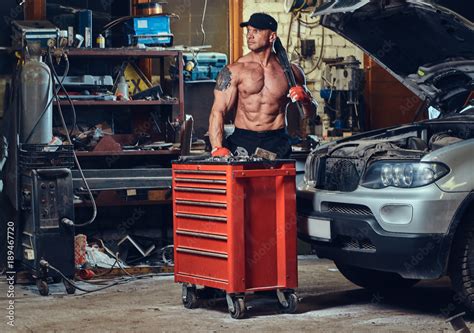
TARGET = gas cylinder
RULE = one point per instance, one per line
(36, 92)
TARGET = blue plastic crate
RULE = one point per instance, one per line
(150, 31)
(207, 65)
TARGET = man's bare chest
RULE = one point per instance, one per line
(269, 82)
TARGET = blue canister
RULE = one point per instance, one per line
(84, 26)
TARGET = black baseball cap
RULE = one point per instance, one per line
(261, 21)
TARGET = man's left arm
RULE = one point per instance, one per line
(300, 93)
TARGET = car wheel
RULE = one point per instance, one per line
(374, 280)
(461, 269)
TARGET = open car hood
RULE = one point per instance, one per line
(427, 47)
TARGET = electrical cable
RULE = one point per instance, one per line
(356, 110)
(63, 122)
(202, 22)
(114, 283)
(309, 24)
(60, 83)
(117, 260)
(72, 283)
(61, 87)
(288, 35)
(320, 58)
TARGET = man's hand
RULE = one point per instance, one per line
(299, 94)
(220, 152)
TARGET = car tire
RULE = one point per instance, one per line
(461, 269)
(374, 280)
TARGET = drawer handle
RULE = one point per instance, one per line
(197, 172)
(201, 181)
(202, 217)
(202, 253)
(201, 234)
(199, 190)
(201, 203)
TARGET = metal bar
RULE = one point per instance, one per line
(201, 181)
(124, 179)
(181, 87)
(201, 234)
(202, 217)
(201, 172)
(129, 178)
(199, 190)
(201, 203)
(202, 253)
(124, 173)
(264, 173)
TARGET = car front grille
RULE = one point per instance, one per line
(346, 209)
(349, 243)
(338, 174)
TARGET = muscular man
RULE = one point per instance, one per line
(257, 87)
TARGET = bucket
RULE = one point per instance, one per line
(148, 7)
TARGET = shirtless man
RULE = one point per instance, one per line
(257, 87)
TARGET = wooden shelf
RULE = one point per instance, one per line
(127, 153)
(122, 52)
(117, 103)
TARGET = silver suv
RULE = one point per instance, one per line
(394, 206)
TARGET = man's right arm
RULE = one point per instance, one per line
(225, 97)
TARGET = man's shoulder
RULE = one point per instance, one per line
(299, 73)
(242, 64)
(246, 61)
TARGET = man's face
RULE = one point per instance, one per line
(258, 39)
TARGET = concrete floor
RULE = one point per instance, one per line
(329, 304)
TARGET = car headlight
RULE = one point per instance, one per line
(311, 168)
(402, 174)
(308, 170)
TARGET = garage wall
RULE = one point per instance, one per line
(9, 10)
(334, 45)
(187, 30)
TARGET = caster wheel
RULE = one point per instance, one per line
(43, 287)
(168, 255)
(292, 303)
(239, 308)
(190, 300)
(70, 289)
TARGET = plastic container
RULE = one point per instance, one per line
(122, 89)
(100, 41)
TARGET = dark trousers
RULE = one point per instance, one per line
(276, 141)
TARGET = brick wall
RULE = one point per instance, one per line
(334, 45)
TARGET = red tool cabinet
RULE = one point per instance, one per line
(235, 230)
